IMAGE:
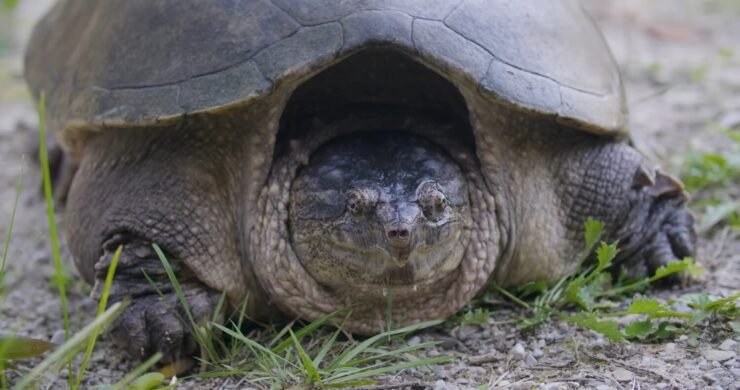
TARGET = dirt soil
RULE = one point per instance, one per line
(681, 65)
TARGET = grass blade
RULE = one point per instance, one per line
(303, 331)
(205, 344)
(9, 234)
(101, 309)
(12, 347)
(48, 196)
(253, 345)
(326, 348)
(350, 354)
(66, 351)
(137, 372)
(361, 374)
(308, 366)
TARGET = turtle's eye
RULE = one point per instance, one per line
(432, 201)
(361, 201)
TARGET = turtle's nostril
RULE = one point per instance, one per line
(399, 237)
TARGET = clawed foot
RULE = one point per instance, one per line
(661, 228)
(160, 324)
(153, 323)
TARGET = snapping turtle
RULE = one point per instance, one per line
(311, 155)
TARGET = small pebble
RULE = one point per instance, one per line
(525, 385)
(414, 340)
(710, 377)
(439, 371)
(555, 386)
(599, 342)
(58, 337)
(728, 345)
(517, 352)
(537, 353)
(718, 355)
(529, 360)
(622, 375)
(669, 347)
(440, 385)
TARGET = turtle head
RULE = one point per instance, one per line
(386, 209)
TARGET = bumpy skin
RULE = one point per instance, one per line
(122, 196)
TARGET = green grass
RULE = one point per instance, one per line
(53, 236)
(11, 4)
(101, 309)
(64, 354)
(9, 234)
(587, 297)
(710, 177)
(13, 348)
(311, 355)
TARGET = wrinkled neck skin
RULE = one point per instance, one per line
(284, 277)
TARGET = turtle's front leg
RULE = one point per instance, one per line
(644, 210)
(658, 228)
(152, 322)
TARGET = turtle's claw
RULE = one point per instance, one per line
(667, 233)
(160, 324)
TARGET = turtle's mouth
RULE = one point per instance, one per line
(382, 264)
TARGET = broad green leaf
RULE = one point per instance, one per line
(478, 316)
(687, 264)
(137, 373)
(639, 328)
(584, 292)
(667, 330)
(592, 232)
(645, 306)
(13, 347)
(605, 254)
(610, 329)
(11, 4)
(718, 303)
(148, 381)
(699, 316)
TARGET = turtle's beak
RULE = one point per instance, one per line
(400, 257)
(400, 238)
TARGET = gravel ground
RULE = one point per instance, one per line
(681, 65)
